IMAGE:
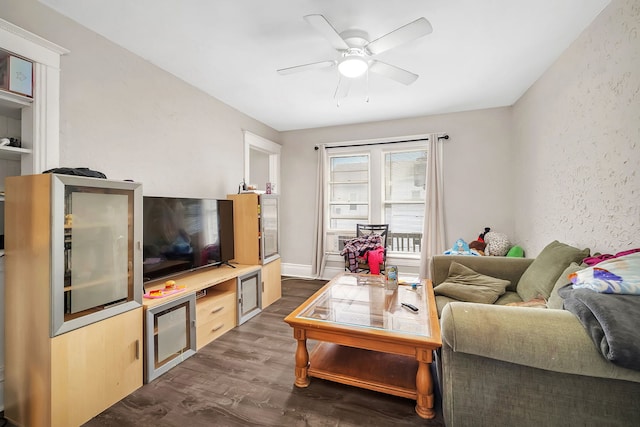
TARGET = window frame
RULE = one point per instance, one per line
(376, 151)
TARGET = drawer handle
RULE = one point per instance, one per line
(217, 328)
(217, 309)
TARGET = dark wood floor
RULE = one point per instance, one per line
(245, 378)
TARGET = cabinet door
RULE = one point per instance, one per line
(269, 232)
(94, 367)
(170, 334)
(249, 296)
(95, 256)
(271, 279)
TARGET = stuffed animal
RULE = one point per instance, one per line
(497, 244)
(460, 248)
(479, 245)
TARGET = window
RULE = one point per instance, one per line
(348, 191)
(377, 184)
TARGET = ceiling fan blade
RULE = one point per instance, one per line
(413, 30)
(305, 67)
(391, 71)
(323, 26)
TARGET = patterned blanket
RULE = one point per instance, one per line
(358, 246)
(611, 320)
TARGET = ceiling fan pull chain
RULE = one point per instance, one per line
(366, 98)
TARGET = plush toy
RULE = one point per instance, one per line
(497, 244)
(460, 248)
(479, 245)
(481, 236)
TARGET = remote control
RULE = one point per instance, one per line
(410, 307)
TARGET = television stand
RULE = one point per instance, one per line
(226, 263)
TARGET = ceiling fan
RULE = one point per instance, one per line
(357, 52)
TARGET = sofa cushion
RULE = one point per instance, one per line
(465, 284)
(540, 277)
(555, 300)
(508, 297)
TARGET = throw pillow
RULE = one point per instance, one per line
(541, 275)
(465, 284)
(555, 301)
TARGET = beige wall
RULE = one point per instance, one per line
(577, 134)
(478, 184)
(129, 119)
(560, 164)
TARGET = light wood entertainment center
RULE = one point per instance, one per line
(63, 373)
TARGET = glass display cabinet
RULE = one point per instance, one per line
(257, 239)
(73, 311)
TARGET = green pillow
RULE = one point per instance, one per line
(555, 301)
(465, 284)
(541, 275)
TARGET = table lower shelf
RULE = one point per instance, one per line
(384, 372)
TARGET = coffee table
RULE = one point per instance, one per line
(367, 338)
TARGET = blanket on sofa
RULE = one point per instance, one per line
(611, 320)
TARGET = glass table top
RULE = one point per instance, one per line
(363, 301)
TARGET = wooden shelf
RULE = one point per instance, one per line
(384, 372)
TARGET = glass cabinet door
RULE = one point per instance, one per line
(170, 335)
(94, 260)
(249, 296)
(269, 233)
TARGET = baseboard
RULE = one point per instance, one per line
(304, 271)
(296, 270)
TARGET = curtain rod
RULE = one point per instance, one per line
(445, 136)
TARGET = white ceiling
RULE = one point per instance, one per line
(481, 54)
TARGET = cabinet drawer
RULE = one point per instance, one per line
(214, 305)
(209, 331)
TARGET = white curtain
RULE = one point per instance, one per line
(318, 262)
(433, 238)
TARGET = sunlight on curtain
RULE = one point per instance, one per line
(318, 262)
(433, 239)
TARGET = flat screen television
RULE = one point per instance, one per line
(184, 234)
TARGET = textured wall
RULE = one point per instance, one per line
(577, 133)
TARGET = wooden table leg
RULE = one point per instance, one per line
(302, 358)
(424, 385)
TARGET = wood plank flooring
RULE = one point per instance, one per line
(245, 378)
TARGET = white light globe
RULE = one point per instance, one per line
(352, 66)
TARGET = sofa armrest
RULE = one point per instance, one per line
(507, 268)
(553, 340)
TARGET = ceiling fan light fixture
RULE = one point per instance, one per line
(353, 65)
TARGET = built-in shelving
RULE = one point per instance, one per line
(13, 153)
(10, 100)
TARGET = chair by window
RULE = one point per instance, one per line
(363, 230)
